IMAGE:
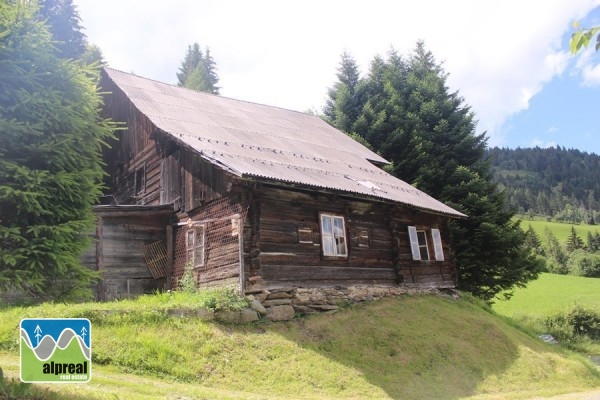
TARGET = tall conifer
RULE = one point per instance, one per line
(412, 119)
(50, 161)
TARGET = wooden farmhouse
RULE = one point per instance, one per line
(256, 197)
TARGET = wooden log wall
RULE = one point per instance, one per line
(423, 273)
(283, 243)
(133, 159)
(222, 220)
(119, 242)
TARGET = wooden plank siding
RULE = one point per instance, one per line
(379, 249)
(121, 234)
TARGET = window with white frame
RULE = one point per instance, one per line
(194, 246)
(333, 236)
(419, 246)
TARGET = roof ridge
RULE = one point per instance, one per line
(210, 94)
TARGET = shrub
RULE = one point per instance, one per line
(582, 263)
(578, 323)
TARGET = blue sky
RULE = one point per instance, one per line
(565, 111)
(508, 59)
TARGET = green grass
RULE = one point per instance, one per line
(550, 294)
(413, 347)
(560, 230)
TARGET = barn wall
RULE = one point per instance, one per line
(119, 243)
(283, 243)
(221, 221)
(133, 160)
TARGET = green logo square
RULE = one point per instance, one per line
(56, 350)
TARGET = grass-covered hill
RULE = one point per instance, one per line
(411, 347)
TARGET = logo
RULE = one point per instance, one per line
(56, 350)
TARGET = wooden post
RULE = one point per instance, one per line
(169, 239)
(100, 259)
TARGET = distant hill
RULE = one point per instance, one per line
(553, 182)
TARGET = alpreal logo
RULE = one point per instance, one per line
(55, 350)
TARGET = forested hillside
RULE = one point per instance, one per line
(553, 182)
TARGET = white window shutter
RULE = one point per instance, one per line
(437, 244)
(414, 243)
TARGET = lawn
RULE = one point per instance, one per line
(560, 230)
(410, 347)
(550, 294)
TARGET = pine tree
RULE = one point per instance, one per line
(50, 159)
(574, 242)
(198, 71)
(344, 101)
(428, 133)
(63, 21)
(193, 57)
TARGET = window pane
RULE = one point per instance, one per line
(338, 227)
(326, 225)
(341, 246)
(424, 255)
(328, 246)
(421, 238)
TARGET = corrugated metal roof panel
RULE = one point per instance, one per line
(271, 143)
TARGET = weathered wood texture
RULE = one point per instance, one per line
(118, 249)
(133, 160)
(220, 221)
(283, 243)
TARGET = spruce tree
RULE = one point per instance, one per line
(63, 21)
(193, 57)
(412, 119)
(198, 71)
(344, 101)
(574, 242)
(50, 159)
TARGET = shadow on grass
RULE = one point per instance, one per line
(417, 348)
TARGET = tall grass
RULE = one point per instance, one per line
(413, 347)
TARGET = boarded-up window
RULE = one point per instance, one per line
(194, 246)
(333, 236)
(305, 234)
(363, 239)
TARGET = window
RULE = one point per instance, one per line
(333, 236)
(419, 247)
(305, 234)
(194, 246)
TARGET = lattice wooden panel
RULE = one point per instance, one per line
(155, 256)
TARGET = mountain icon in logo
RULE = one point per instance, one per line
(55, 350)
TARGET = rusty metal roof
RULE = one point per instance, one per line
(258, 141)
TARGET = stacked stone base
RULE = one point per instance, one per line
(283, 304)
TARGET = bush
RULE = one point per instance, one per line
(578, 323)
(582, 263)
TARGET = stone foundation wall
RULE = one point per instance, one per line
(282, 304)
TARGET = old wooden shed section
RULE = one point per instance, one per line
(263, 197)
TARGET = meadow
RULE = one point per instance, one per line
(559, 229)
(410, 347)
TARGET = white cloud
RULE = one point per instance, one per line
(498, 54)
(553, 129)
